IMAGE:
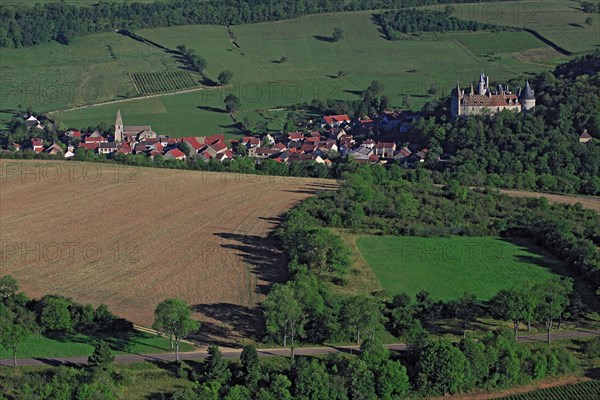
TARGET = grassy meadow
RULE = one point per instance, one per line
(447, 267)
(408, 67)
(77, 344)
(560, 21)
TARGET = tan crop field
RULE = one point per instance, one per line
(131, 237)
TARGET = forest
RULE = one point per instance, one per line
(396, 23)
(22, 25)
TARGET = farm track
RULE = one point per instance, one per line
(135, 236)
(588, 202)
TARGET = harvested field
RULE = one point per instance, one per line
(131, 237)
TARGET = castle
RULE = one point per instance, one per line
(487, 100)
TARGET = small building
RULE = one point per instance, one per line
(334, 121)
(585, 137)
(385, 149)
(37, 145)
(107, 148)
(174, 154)
(54, 149)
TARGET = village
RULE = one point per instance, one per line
(376, 140)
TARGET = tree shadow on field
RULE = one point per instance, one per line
(376, 20)
(235, 321)
(259, 254)
(213, 109)
(327, 39)
(541, 257)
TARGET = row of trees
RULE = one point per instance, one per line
(590, 7)
(26, 25)
(21, 317)
(431, 367)
(193, 61)
(545, 302)
(372, 101)
(398, 22)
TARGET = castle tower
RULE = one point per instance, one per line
(481, 89)
(119, 127)
(527, 97)
(455, 101)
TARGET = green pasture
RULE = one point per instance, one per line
(447, 267)
(77, 344)
(406, 68)
(560, 21)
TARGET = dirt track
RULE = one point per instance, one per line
(131, 237)
(589, 202)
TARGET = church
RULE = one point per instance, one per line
(125, 133)
(486, 100)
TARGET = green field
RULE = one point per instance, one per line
(577, 391)
(560, 21)
(448, 267)
(72, 345)
(92, 75)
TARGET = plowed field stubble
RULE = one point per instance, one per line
(131, 237)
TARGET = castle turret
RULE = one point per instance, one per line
(455, 100)
(527, 97)
(481, 84)
(119, 127)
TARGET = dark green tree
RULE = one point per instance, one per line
(101, 359)
(225, 77)
(216, 368)
(337, 35)
(232, 103)
(441, 368)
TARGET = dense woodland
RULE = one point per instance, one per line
(27, 25)
(396, 23)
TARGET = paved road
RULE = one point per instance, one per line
(235, 353)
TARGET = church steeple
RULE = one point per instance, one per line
(119, 127)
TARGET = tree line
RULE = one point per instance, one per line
(397, 23)
(21, 317)
(24, 25)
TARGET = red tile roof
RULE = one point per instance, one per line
(192, 141)
(336, 118)
(219, 146)
(498, 100)
(88, 146)
(214, 138)
(176, 153)
(96, 139)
